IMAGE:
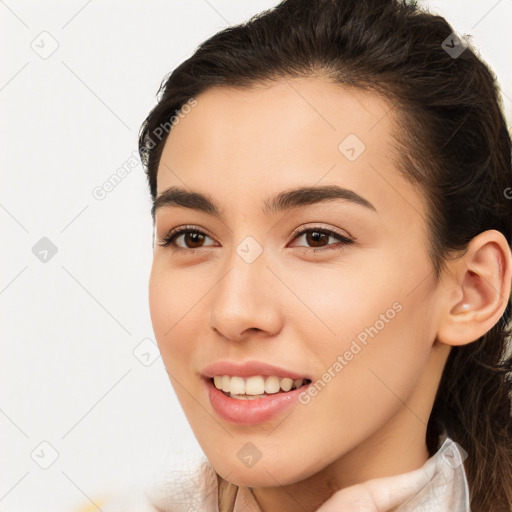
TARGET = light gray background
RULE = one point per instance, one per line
(76, 333)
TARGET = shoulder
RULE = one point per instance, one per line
(129, 500)
(190, 487)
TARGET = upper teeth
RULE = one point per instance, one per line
(255, 385)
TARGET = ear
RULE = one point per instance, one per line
(476, 289)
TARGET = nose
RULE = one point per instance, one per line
(247, 301)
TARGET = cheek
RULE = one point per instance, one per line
(171, 301)
(161, 302)
(345, 304)
(372, 335)
(371, 313)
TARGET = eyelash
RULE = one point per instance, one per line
(169, 239)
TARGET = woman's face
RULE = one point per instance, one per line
(349, 303)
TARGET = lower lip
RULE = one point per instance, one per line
(250, 412)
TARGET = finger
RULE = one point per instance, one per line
(380, 494)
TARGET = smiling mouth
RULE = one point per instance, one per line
(256, 386)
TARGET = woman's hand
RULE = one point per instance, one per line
(379, 494)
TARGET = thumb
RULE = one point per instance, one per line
(380, 494)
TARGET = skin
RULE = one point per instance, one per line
(301, 309)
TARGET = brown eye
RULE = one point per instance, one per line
(184, 238)
(317, 238)
(193, 239)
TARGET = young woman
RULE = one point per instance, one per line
(331, 184)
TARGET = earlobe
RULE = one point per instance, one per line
(461, 307)
(477, 289)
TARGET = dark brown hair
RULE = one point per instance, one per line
(453, 143)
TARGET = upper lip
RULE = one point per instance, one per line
(248, 368)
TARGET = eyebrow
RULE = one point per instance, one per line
(286, 200)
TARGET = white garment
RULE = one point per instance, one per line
(195, 489)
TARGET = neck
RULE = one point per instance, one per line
(397, 447)
(379, 456)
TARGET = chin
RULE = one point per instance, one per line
(268, 474)
(258, 479)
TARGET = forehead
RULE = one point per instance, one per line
(299, 132)
(280, 118)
